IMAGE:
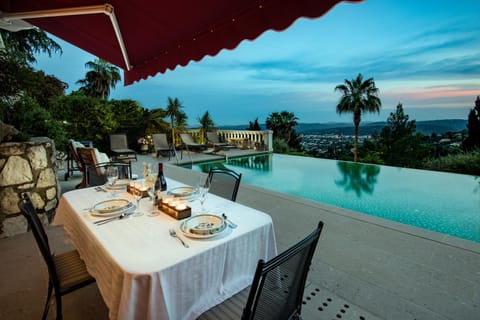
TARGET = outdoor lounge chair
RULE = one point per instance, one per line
(277, 288)
(214, 140)
(161, 145)
(119, 147)
(94, 169)
(67, 272)
(189, 144)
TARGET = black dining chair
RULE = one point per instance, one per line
(67, 272)
(224, 182)
(277, 289)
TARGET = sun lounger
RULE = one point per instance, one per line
(119, 147)
(214, 140)
(161, 145)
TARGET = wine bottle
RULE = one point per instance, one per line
(162, 183)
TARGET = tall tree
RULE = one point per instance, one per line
(154, 122)
(358, 97)
(254, 126)
(101, 77)
(399, 144)
(206, 124)
(473, 126)
(24, 44)
(16, 74)
(282, 124)
(174, 110)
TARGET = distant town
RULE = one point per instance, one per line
(329, 140)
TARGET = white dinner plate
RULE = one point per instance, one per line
(127, 208)
(203, 226)
(109, 206)
(183, 192)
(115, 187)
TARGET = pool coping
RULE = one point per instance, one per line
(378, 221)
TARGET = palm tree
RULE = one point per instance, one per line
(174, 110)
(282, 124)
(154, 122)
(206, 124)
(358, 97)
(99, 79)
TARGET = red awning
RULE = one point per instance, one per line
(144, 37)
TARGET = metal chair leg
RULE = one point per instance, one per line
(47, 303)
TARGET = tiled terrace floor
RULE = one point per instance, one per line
(379, 269)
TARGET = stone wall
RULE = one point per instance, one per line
(27, 167)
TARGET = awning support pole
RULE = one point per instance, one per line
(105, 9)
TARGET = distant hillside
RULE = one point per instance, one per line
(367, 128)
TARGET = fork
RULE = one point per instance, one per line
(174, 234)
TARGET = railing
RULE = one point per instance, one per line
(244, 139)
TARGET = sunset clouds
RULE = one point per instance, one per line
(424, 54)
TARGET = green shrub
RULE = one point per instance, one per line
(27, 116)
(280, 146)
(467, 163)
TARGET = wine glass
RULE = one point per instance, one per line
(151, 196)
(112, 175)
(138, 190)
(203, 188)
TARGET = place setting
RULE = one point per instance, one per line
(200, 224)
(111, 210)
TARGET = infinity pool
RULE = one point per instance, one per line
(443, 202)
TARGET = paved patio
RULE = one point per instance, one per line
(364, 267)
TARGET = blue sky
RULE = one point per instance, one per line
(424, 54)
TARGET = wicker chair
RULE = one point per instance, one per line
(67, 272)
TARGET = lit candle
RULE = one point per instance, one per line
(181, 206)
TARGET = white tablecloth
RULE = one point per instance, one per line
(143, 273)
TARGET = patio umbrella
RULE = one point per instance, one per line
(144, 37)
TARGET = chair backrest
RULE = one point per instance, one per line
(213, 137)
(224, 182)
(118, 141)
(94, 171)
(187, 138)
(30, 213)
(72, 147)
(278, 285)
(88, 157)
(160, 141)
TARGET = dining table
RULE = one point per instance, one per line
(142, 272)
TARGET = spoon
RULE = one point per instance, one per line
(229, 222)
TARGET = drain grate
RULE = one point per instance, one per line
(319, 303)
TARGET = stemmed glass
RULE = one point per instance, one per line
(139, 188)
(151, 196)
(203, 188)
(112, 175)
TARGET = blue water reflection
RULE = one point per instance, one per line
(443, 202)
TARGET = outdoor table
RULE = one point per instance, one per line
(144, 273)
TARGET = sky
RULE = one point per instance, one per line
(424, 54)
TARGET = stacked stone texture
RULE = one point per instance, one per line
(27, 167)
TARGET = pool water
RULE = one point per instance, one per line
(444, 202)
